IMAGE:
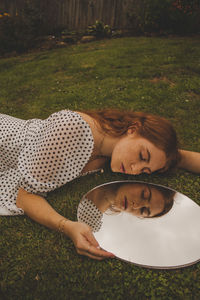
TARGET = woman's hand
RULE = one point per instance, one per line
(84, 241)
(39, 210)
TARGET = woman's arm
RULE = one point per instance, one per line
(190, 161)
(38, 209)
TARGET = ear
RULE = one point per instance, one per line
(134, 127)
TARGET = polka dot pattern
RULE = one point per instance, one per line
(88, 213)
(41, 155)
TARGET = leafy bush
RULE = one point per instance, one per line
(166, 16)
(185, 16)
(20, 32)
(99, 30)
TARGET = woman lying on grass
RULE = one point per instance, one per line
(38, 156)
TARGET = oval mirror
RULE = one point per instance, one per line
(146, 224)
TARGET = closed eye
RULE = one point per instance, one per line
(145, 210)
(141, 157)
(145, 156)
(146, 193)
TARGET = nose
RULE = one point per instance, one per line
(135, 206)
(135, 169)
(138, 203)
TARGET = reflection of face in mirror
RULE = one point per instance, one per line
(143, 200)
(139, 199)
(114, 213)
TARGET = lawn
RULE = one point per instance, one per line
(157, 75)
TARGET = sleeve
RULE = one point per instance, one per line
(57, 153)
(88, 213)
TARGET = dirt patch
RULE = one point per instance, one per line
(162, 79)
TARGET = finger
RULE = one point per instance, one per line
(99, 252)
(94, 248)
(86, 253)
(94, 256)
(91, 239)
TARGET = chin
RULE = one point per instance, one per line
(112, 168)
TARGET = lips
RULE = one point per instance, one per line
(123, 170)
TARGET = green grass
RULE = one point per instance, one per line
(160, 76)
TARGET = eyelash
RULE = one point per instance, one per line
(141, 157)
(142, 211)
(145, 198)
(143, 194)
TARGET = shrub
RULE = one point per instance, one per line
(169, 16)
(99, 30)
(185, 16)
(20, 32)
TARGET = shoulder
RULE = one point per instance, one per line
(69, 120)
(67, 115)
(85, 117)
(74, 127)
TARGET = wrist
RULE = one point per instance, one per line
(61, 224)
(65, 226)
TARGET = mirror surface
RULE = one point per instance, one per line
(145, 224)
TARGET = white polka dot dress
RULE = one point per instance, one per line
(88, 213)
(41, 155)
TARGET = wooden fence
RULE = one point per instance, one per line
(77, 14)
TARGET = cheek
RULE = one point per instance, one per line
(118, 153)
(123, 152)
(117, 202)
(132, 152)
(136, 213)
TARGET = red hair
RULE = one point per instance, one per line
(157, 130)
